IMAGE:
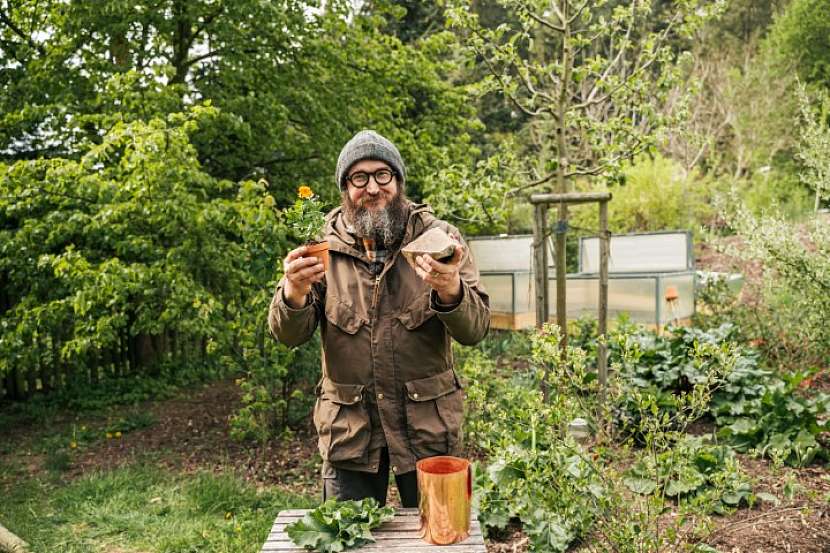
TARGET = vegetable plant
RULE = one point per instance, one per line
(339, 525)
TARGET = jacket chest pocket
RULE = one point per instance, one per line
(434, 411)
(420, 341)
(343, 316)
(346, 344)
(342, 421)
(416, 313)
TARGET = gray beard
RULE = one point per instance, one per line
(386, 226)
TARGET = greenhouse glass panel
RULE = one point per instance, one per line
(682, 286)
(500, 289)
(634, 296)
(639, 253)
(505, 253)
(524, 293)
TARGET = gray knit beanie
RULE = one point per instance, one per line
(368, 145)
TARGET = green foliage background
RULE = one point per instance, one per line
(148, 151)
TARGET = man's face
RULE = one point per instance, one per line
(376, 210)
(373, 196)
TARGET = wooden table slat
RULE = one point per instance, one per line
(403, 545)
(398, 535)
(385, 536)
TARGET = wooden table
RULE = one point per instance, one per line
(399, 534)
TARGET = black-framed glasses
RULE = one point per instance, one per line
(360, 179)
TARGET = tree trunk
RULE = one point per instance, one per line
(181, 46)
(562, 212)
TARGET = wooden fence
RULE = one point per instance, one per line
(44, 370)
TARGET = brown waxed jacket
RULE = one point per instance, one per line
(388, 371)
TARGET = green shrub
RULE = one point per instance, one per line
(562, 491)
(707, 474)
(277, 391)
(754, 408)
(781, 423)
(785, 309)
(652, 194)
(130, 260)
(781, 192)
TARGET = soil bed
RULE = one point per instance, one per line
(191, 433)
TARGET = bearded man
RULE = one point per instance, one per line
(388, 395)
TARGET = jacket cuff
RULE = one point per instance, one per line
(466, 322)
(288, 325)
(436, 304)
(293, 310)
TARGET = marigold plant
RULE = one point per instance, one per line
(306, 217)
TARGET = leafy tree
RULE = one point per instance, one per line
(802, 34)
(147, 150)
(132, 258)
(590, 76)
(293, 81)
(409, 20)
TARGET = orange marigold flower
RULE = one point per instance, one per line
(305, 192)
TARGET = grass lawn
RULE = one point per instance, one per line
(140, 508)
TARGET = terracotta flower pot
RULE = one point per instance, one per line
(320, 250)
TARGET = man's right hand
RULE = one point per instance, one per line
(300, 273)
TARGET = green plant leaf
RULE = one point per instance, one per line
(643, 486)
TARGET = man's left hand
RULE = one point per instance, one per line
(443, 277)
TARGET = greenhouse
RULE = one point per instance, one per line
(651, 278)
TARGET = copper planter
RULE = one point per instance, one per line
(445, 485)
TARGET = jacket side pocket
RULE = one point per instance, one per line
(434, 410)
(342, 421)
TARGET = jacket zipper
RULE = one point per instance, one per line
(375, 295)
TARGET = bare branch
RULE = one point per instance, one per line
(525, 77)
(531, 184)
(599, 169)
(558, 12)
(497, 75)
(610, 66)
(197, 59)
(545, 23)
(592, 100)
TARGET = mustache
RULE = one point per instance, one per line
(369, 200)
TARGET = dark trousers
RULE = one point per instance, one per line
(352, 484)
